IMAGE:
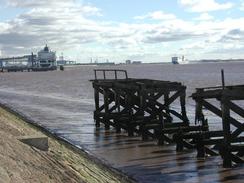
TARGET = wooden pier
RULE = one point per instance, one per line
(140, 106)
(144, 107)
(230, 140)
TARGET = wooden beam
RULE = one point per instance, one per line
(218, 112)
(227, 159)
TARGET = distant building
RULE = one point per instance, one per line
(136, 62)
(178, 60)
(128, 62)
(175, 60)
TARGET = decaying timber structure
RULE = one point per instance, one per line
(139, 106)
(144, 107)
(230, 140)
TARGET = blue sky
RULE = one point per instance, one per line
(151, 31)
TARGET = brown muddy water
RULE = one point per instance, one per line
(62, 102)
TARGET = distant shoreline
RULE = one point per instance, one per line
(189, 62)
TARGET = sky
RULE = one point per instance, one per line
(141, 30)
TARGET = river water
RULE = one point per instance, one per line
(62, 102)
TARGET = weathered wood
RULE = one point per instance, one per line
(138, 98)
(96, 97)
(223, 79)
(183, 107)
(143, 106)
(227, 134)
(106, 108)
(238, 110)
(235, 94)
(226, 142)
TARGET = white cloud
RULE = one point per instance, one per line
(40, 3)
(204, 5)
(242, 5)
(233, 36)
(204, 17)
(72, 5)
(63, 24)
(200, 45)
(68, 26)
(156, 15)
(4, 27)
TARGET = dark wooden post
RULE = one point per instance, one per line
(226, 153)
(142, 97)
(131, 117)
(117, 105)
(96, 98)
(159, 132)
(166, 103)
(117, 100)
(95, 73)
(104, 74)
(106, 108)
(223, 78)
(183, 107)
(200, 146)
(199, 116)
(179, 141)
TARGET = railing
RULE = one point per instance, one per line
(115, 71)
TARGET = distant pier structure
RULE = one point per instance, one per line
(19, 63)
(61, 61)
(44, 60)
